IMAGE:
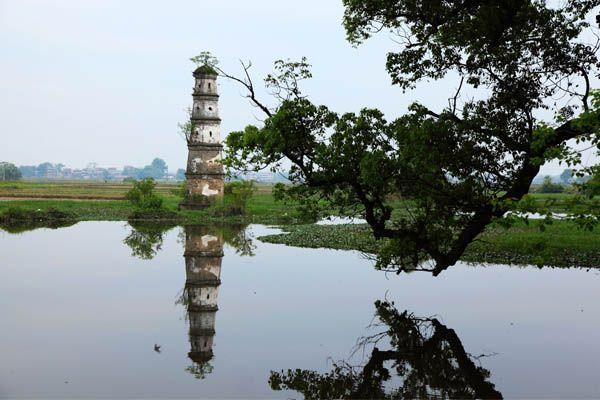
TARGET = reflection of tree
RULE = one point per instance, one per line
(427, 356)
(237, 237)
(234, 235)
(146, 239)
(200, 369)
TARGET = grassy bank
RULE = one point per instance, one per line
(562, 244)
(105, 202)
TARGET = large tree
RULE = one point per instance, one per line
(459, 168)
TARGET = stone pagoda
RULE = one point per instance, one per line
(204, 172)
(203, 254)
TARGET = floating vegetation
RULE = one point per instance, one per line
(561, 244)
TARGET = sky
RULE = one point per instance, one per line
(107, 81)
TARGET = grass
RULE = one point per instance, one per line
(562, 202)
(83, 190)
(72, 190)
(97, 201)
(561, 244)
(16, 220)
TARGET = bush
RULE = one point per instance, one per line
(235, 199)
(142, 195)
(236, 196)
(549, 187)
(592, 187)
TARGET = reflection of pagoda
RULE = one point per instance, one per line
(203, 254)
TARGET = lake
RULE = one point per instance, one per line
(102, 309)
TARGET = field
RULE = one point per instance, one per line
(78, 190)
(88, 201)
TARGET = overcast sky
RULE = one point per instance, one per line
(107, 81)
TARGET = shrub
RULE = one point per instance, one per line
(236, 196)
(307, 203)
(549, 187)
(591, 188)
(142, 195)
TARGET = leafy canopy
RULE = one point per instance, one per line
(458, 169)
(205, 58)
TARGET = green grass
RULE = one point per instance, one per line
(261, 208)
(117, 210)
(72, 190)
(561, 244)
(564, 202)
(16, 220)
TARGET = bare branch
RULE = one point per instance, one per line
(247, 83)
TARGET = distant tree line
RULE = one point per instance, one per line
(9, 172)
(157, 170)
(568, 181)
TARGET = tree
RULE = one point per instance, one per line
(429, 358)
(566, 176)
(160, 168)
(180, 174)
(459, 168)
(9, 172)
(28, 171)
(130, 172)
(205, 58)
(591, 187)
(146, 238)
(549, 187)
(44, 170)
(156, 170)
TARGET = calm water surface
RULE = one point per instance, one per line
(83, 308)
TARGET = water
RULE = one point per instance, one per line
(81, 316)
